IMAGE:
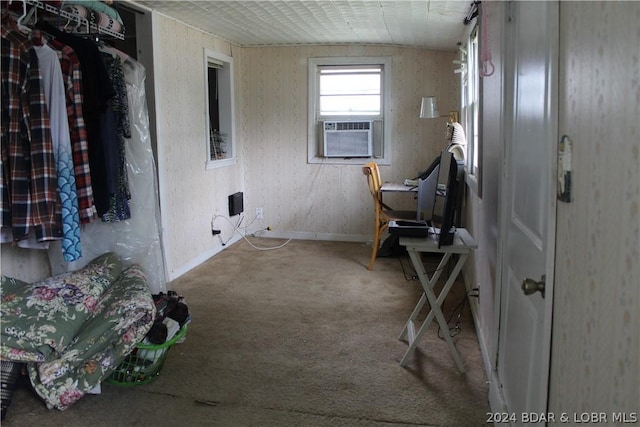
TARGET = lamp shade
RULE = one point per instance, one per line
(429, 108)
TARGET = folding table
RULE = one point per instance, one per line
(463, 245)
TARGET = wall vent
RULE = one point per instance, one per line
(236, 204)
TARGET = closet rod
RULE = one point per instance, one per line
(73, 17)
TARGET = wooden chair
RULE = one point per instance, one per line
(383, 213)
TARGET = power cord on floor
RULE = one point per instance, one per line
(404, 272)
(254, 234)
(460, 307)
(237, 230)
(415, 273)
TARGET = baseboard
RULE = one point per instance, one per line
(194, 262)
(484, 347)
(496, 399)
(497, 403)
(303, 235)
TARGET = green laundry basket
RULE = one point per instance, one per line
(143, 365)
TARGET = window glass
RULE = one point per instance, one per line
(470, 81)
(474, 98)
(220, 111)
(350, 91)
(217, 145)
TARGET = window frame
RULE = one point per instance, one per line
(384, 119)
(471, 95)
(226, 107)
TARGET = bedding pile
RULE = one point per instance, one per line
(72, 330)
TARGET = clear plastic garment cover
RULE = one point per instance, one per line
(135, 240)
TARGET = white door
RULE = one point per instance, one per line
(528, 219)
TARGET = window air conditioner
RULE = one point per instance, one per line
(347, 138)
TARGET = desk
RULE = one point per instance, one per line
(463, 245)
(395, 187)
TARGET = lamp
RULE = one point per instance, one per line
(429, 110)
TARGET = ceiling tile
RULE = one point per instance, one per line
(430, 24)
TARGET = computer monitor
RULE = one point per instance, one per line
(427, 194)
(446, 198)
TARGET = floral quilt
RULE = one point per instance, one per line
(74, 329)
(40, 319)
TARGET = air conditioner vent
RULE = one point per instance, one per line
(347, 138)
(353, 125)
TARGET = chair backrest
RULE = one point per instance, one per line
(373, 178)
(427, 195)
(375, 183)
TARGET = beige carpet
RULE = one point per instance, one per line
(300, 336)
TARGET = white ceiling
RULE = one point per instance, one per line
(422, 23)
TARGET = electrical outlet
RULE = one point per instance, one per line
(259, 213)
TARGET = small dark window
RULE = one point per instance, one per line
(220, 114)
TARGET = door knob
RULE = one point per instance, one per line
(530, 286)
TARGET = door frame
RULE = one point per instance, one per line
(496, 396)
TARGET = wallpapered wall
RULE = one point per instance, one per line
(324, 200)
(596, 331)
(310, 201)
(189, 194)
(482, 212)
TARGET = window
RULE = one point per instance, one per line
(471, 109)
(220, 120)
(350, 90)
(348, 110)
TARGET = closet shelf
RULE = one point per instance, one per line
(81, 22)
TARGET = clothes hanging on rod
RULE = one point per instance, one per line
(55, 98)
(97, 90)
(71, 148)
(29, 179)
(72, 76)
(118, 113)
(135, 240)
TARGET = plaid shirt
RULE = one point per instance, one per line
(96, 94)
(29, 176)
(72, 75)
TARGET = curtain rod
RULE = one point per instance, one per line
(473, 12)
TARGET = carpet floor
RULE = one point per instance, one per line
(303, 335)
